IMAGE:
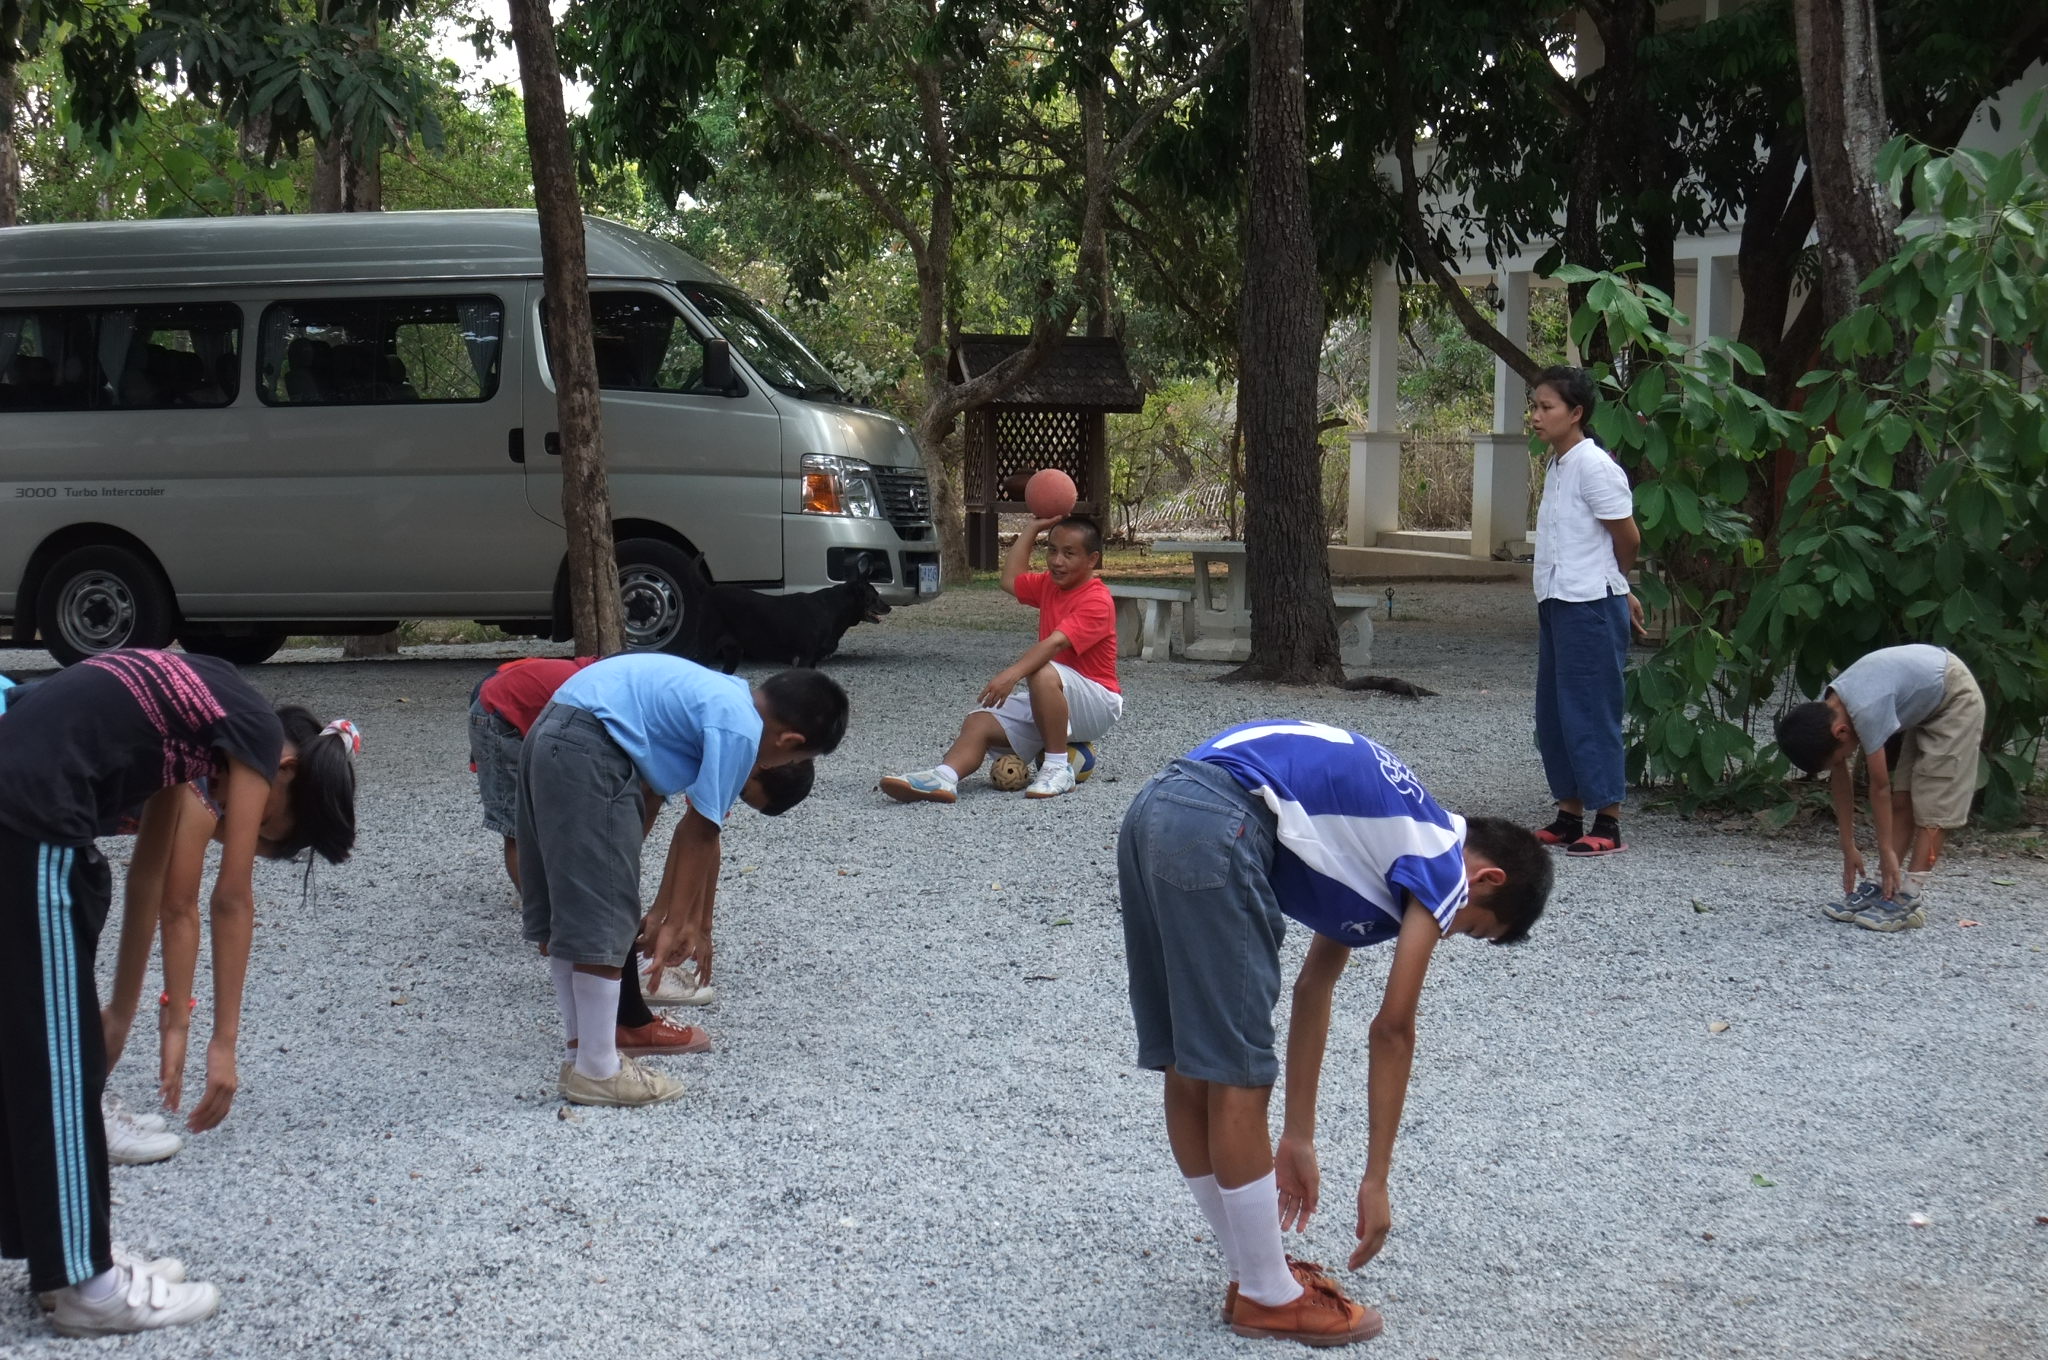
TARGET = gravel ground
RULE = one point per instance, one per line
(921, 1133)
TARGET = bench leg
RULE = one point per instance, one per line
(1155, 617)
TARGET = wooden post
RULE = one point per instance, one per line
(586, 498)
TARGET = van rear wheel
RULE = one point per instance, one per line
(240, 649)
(101, 598)
(652, 593)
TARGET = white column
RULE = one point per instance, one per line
(1714, 306)
(1500, 460)
(1373, 496)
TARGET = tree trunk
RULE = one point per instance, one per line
(1280, 336)
(10, 162)
(586, 499)
(1846, 127)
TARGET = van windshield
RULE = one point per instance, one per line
(779, 357)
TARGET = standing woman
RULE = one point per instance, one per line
(1586, 542)
(77, 750)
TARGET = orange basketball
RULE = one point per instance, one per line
(1050, 493)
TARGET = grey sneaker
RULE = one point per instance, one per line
(1845, 909)
(633, 1084)
(1903, 912)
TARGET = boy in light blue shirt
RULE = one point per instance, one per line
(675, 727)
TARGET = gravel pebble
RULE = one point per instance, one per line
(920, 1132)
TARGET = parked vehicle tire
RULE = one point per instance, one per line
(100, 598)
(654, 595)
(242, 649)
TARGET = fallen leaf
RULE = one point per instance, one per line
(1967, 924)
(398, 1001)
(2006, 882)
(1064, 921)
(1918, 1220)
(1041, 977)
(1758, 1179)
(2041, 1219)
(1717, 1027)
(1706, 1237)
(1700, 906)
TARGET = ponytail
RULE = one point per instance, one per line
(323, 793)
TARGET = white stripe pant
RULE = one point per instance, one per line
(53, 1147)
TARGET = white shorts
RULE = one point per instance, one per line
(1092, 709)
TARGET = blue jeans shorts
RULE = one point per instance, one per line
(1202, 928)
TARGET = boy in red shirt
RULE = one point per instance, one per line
(1069, 697)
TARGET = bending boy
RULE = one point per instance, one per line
(1070, 696)
(1924, 700)
(673, 726)
(1262, 823)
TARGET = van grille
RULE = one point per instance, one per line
(906, 496)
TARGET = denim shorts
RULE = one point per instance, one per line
(580, 827)
(1202, 927)
(494, 755)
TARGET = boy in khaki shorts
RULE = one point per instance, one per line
(1921, 706)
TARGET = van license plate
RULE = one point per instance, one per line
(927, 578)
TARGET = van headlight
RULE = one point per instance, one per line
(840, 486)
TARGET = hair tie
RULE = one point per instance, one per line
(351, 736)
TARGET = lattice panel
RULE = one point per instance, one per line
(1029, 440)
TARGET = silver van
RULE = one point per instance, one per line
(226, 430)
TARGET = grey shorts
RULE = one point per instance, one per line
(580, 826)
(1202, 928)
(494, 755)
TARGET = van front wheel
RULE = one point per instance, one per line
(101, 598)
(651, 593)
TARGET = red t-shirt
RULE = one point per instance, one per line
(518, 690)
(1085, 613)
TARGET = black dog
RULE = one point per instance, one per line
(734, 624)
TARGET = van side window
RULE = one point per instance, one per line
(145, 357)
(377, 351)
(642, 344)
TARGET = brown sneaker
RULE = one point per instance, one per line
(1230, 1302)
(660, 1039)
(1321, 1316)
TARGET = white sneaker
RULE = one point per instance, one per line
(111, 1104)
(131, 1143)
(141, 1302)
(1051, 782)
(678, 988)
(166, 1267)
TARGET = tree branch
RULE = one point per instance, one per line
(863, 179)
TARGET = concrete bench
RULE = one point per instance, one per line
(1354, 625)
(1144, 619)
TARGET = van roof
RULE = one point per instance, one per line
(194, 252)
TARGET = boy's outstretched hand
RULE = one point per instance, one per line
(1294, 1167)
(666, 944)
(1375, 1219)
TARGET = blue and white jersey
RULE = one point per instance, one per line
(1358, 832)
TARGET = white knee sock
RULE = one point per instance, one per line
(561, 970)
(597, 1017)
(1253, 1212)
(1209, 1196)
(1054, 759)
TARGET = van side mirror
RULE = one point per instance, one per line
(718, 374)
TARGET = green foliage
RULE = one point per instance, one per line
(1918, 509)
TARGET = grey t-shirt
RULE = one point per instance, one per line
(1892, 689)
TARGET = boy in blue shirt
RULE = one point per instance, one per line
(677, 728)
(1264, 822)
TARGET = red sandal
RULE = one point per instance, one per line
(1587, 846)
